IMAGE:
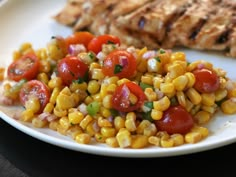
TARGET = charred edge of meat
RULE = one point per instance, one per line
(180, 12)
(223, 37)
(197, 28)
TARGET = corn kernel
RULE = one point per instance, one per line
(124, 138)
(162, 104)
(156, 114)
(83, 138)
(75, 117)
(139, 141)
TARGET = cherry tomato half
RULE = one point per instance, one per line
(35, 88)
(121, 97)
(207, 81)
(80, 37)
(26, 67)
(71, 69)
(96, 43)
(119, 63)
(175, 120)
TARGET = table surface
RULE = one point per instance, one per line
(39, 159)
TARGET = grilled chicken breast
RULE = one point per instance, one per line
(198, 24)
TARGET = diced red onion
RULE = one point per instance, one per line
(75, 49)
(83, 109)
(101, 56)
(123, 61)
(200, 66)
(149, 54)
(47, 116)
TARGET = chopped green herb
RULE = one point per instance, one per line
(162, 51)
(114, 112)
(149, 104)
(91, 55)
(147, 116)
(173, 101)
(158, 59)
(93, 108)
(80, 80)
(118, 69)
(144, 86)
(110, 42)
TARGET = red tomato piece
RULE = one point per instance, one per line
(26, 67)
(80, 37)
(207, 80)
(119, 63)
(96, 43)
(35, 88)
(72, 69)
(175, 120)
(121, 100)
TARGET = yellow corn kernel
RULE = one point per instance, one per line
(208, 99)
(142, 66)
(84, 123)
(38, 123)
(16, 55)
(193, 137)
(27, 115)
(93, 86)
(42, 54)
(154, 140)
(61, 129)
(166, 141)
(133, 98)
(112, 142)
(143, 124)
(111, 80)
(150, 94)
(59, 112)
(122, 81)
(2, 71)
(43, 78)
(75, 117)
(94, 65)
(97, 97)
(55, 82)
(167, 88)
(54, 95)
(78, 86)
(202, 130)
(45, 66)
(124, 138)
(191, 79)
(108, 132)
(189, 105)
(111, 88)
(73, 131)
(107, 101)
(100, 138)
(175, 70)
(119, 122)
(150, 130)
(48, 108)
(180, 82)
(220, 94)
(229, 106)
(195, 64)
(83, 138)
(66, 100)
(164, 57)
(88, 100)
(25, 46)
(157, 82)
(92, 128)
(105, 112)
(97, 74)
(64, 122)
(104, 122)
(139, 141)
(33, 103)
(130, 125)
(53, 125)
(162, 104)
(178, 139)
(147, 79)
(210, 109)
(181, 98)
(156, 114)
(231, 93)
(178, 56)
(194, 96)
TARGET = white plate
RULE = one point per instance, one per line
(30, 21)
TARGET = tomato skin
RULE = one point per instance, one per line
(26, 67)
(79, 37)
(207, 81)
(95, 45)
(35, 88)
(114, 59)
(72, 68)
(120, 103)
(175, 120)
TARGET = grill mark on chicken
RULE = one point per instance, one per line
(223, 37)
(197, 29)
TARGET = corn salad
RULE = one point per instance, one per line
(84, 108)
